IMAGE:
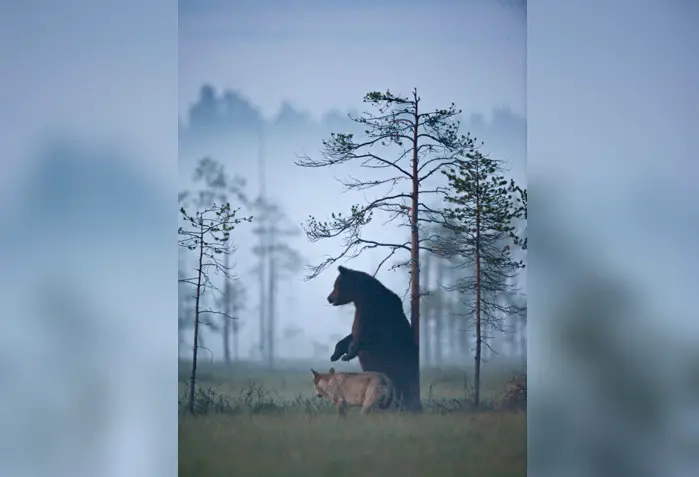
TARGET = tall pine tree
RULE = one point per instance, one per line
(484, 208)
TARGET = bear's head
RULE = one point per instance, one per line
(345, 288)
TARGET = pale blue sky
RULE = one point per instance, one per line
(472, 53)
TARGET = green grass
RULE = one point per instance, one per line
(251, 423)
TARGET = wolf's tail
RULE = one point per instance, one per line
(388, 396)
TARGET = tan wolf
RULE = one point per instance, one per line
(370, 390)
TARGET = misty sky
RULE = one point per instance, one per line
(322, 58)
(472, 53)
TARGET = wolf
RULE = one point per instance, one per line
(369, 389)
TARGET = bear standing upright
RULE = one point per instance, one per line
(381, 334)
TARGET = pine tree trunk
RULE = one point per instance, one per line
(523, 341)
(427, 335)
(226, 341)
(415, 265)
(438, 315)
(464, 343)
(196, 320)
(263, 243)
(263, 298)
(453, 321)
(477, 391)
(512, 341)
(236, 344)
(270, 298)
(226, 320)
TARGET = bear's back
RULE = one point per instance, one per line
(383, 320)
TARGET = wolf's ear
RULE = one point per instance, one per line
(342, 269)
(332, 370)
(315, 373)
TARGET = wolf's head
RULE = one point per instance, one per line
(321, 382)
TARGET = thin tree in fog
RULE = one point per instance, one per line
(440, 316)
(279, 260)
(428, 309)
(185, 303)
(417, 145)
(276, 258)
(261, 250)
(207, 232)
(517, 340)
(442, 311)
(185, 311)
(218, 186)
(484, 209)
(232, 300)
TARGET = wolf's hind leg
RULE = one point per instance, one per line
(370, 401)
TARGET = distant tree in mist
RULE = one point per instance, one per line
(185, 308)
(416, 145)
(232, 301)
(277, 260)
(446, 324)
(230, 115)
(290, 120)
(216, 185)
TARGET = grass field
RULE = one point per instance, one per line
(255, 423)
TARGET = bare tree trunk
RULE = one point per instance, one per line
(196, 320)
(226, 332)
(270, 297)
(227, 290)
(263, 251)
(415, 260)
(236, 344)
(477, 392)
(263, 298)
(427, 314)
(464, 343)
(511, 340)
(453, 321)
(439, 315)
(486, 351)
(523, 340)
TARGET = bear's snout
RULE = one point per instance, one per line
(330, 299)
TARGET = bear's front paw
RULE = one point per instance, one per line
(347, 357)
(335, 357)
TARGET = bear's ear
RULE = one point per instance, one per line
(332, 370)
(342, 269)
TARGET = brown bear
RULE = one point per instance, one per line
(381, 333)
